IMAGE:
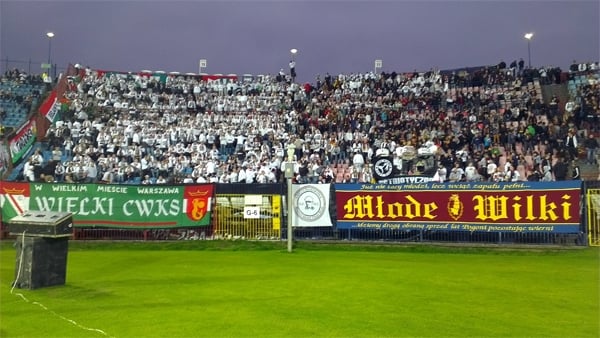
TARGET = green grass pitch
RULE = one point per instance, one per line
(246, 289)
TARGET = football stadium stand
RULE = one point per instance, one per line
(492, 123)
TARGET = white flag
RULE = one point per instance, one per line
(311, 205)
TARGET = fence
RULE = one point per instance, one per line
(256, 212)
(236, 218)
(592, 211)
(29, 66)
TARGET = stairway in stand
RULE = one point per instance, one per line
(560, 90)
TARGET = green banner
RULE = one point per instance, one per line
(23, 140)
(118, 206)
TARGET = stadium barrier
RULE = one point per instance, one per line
(248, 211)
(29, 66)
(482, 212)
(591, 208)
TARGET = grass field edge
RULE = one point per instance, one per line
(248, 245)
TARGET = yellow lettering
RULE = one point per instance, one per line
(547, 209)
(566, 207)
(413, 209)
(379, 207)
(530, 216)
(429, 208)
(495, 208)
(394, 210)
(490, 207)
(359, 207)
(517, 208)
(368, 206)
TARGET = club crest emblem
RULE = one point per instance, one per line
(455, 207)
(309, 203)
(197, 204)
(383, 168)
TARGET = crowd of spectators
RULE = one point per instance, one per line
(13, 80)
(584, 86)
(489, 123)
(19, 93)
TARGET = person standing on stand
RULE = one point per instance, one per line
(591, 144)
(571, 144)
(576, 173)
(293, 70)
(560, 170)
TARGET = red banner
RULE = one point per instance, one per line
(493, 204)
(218, 77)
(50, 107)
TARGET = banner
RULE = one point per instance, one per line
(23, 141)
(207, 78)
(50, 107)
(384, 168)
(119, 206)
(481, 206)
(311, 205)
(408, 179)
(385, 172)
(4, 158)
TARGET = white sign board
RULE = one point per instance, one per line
(253, 199)
(251, 212)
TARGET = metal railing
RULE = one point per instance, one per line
(29, 66)
(229, 222)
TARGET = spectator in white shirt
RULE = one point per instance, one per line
(358, 160)
(456, 174)
(491, 169)
(28, 170)
(471, 174)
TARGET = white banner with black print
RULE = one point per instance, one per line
(311, 205)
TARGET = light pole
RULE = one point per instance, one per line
(50, 35)
(289, 174)
(293, 52)
(528, 37)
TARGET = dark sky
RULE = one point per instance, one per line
(332, 36)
